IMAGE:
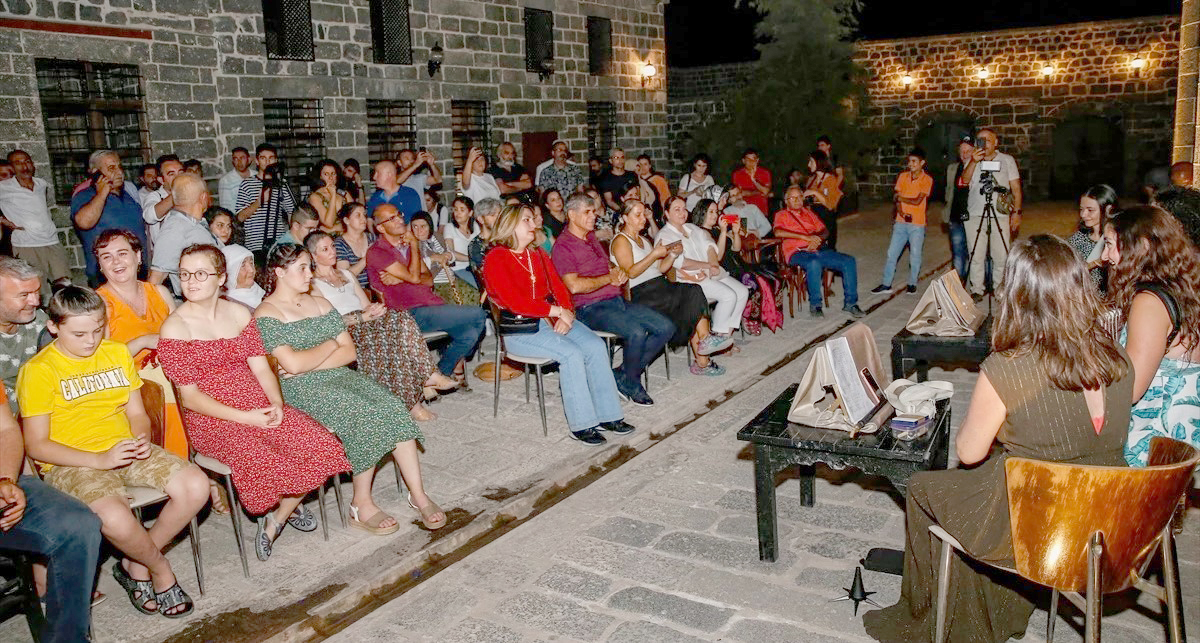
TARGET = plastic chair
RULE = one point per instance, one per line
(1067, 536)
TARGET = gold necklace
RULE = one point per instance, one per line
(527, 268)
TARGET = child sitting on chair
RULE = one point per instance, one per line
(86, 428)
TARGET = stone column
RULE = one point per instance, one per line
(1185, 103)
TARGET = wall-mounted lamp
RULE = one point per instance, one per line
(982, 74)
(436, 56)
(1048, 70)
(648, 71)
(1138, 63)
(545, 69)
(906, 80)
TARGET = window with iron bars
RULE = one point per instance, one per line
(289, 30)
(539, 40)
(391, 37)
(599, 31)
(87, 107)
(391, 127)
(470, 126)
(296, 126)
(601, 128)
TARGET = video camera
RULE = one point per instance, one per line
(987, 178)
(273, 175)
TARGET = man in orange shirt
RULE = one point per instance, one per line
(912, 198)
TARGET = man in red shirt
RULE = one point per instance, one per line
(803, 237)
(754, 181)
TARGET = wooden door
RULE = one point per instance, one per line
(535, 148)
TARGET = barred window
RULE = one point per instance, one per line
(391, 36)
(599, 32)
(391, 127)
(86, 107)
(601, 128)
(539, 40)
(289, 30)
(296, 126)
(470, 126)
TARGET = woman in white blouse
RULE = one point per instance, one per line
(458, 233)
(701, 263)
(474, 180)
(695, 184)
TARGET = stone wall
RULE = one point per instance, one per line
(1186, 105)
(205, 71)
(1091, 74)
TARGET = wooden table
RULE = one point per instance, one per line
(779, 443)
(918, 352)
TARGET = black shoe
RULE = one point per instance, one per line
(881, 288)
(815, 313)
(855, 311)
(590, 437)
(639, 397)
(620, 427)
(911, 289)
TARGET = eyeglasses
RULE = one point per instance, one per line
(199, 275)
(383, 221)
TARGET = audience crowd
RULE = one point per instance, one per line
(299, 332)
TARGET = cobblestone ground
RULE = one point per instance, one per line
(661, 549)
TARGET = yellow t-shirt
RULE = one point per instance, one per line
(85, 398)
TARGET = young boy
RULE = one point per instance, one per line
(87, 430)
(912, 198)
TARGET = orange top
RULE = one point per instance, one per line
(910, 188)
(125, 324)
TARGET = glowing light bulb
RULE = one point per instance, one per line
(906, 79)
(983, 73)
(1138, 62)
(1048, 70)
(649, 70)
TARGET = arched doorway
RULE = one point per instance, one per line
(1088, 149)
(939, 138)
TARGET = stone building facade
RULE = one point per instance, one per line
(211, 77)
(1075, 104)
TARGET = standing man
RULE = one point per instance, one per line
(104, 204)
(614, 183)
(183, 226)
(158, 203)
(25, 201)
(227, 186)
(911, 200)
(754, 181)
(263, 202)
(148, 180)
(511, 177)
(596, 292)
(560, 175)
(410, 174)
(389, 192)
(957, 184)
(1005, 226)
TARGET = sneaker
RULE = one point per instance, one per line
(855, 311)
(911, 289)
(714, 343)
(881, 288)
(590, 437)
(620, 427)
(815, 313)
(712, 370)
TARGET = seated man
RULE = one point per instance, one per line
(803, 236)
(22, 323)
(87, 430)
(396, 271)
(756, 220)
(596, 292)
(303, 220)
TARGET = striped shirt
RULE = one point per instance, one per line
(268, 221)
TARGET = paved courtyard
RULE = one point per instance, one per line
(661, 549)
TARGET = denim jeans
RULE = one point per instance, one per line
(905, 234)
(816, 262)
(67, 534)
(463, 323)
(585, 378)
(467, 276)
(958, 248)
(644, 332)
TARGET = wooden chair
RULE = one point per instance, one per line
(1068, 535)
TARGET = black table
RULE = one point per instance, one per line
(919, 351)
(779, 443)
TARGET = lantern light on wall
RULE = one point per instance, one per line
(1138, 64)
(1048, 70)
(648, 71)
(982, 74)
(906, 80)
(436, 56)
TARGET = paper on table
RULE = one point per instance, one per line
(850, 387)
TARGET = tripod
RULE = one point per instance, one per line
(989, 217)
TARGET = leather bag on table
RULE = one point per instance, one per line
(945, 310)
(815, 403)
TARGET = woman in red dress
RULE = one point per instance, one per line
(233, 408)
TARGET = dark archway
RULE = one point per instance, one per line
(1087, 149)
(939, 137)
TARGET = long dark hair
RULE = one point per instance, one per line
(1106, 198)
(699, 212)
(700, 157)
(822, 160)
(315, 177)
(281, 256)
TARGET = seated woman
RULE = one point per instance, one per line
(442, 264)
(1153, 268)
(241, 286)
(310, 342)
(327, 198)
(458, 233)
(352, 244)
(684, 303)
(438, 213)
(1095, 207)
(210, 348)
(223, 225)
(486, 213)
(520, 278)
(554, 213)
(760, 308)
(1049, 351)
(700, 263)
(388, 342)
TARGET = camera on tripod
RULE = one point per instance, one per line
(987, 178)
(273, 175)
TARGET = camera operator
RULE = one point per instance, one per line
(1004, 182)
(264, 201)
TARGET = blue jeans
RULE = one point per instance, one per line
(467, 276)
(958, 248)
(814, 263)
(463, 323)
(644, 332)
(67, 534)
(905, 234)
(585, 378)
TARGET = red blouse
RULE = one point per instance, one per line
(507, 279)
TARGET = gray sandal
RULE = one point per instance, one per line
(137, 590)
(303, 519)
(174, 597)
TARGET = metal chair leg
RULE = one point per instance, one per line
(321, 505)
(943, 592)
(1053, 615)
(542, 400)
(194, 536)
(235, 509)
(337, 494)
(526, 384)
(399, 487)
(667, 361)
(496, 379)
(1092, 613)
(1171, 583)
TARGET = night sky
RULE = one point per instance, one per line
(713, 32)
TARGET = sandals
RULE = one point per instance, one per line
(427, 511)
(174, 597)
(134, 587)
(371, 525)
(302, 519)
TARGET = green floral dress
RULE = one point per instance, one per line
(369, 420)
